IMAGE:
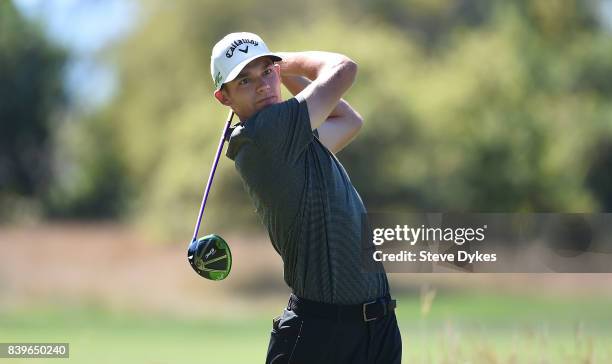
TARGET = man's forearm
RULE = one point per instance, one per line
(309, 64)
(295, 85)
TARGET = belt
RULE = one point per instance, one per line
(365, 312)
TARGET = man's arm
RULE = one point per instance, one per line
(332, 74)
(342, 124)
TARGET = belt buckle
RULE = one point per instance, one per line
(365, 316)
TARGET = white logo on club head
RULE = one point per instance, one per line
(211, 252)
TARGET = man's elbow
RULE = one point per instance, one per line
(357, 122)
(350, 67)
(346, 70)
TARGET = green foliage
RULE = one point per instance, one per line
(93, 183)
(30, 92)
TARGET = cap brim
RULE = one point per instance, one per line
(232, 75)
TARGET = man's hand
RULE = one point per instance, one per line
(331, 74)
(342, 124)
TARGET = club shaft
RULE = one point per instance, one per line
(212, 174)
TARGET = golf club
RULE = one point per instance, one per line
(210, 256)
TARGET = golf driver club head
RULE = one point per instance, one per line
(210, 257)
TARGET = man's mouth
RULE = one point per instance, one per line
(267, 100)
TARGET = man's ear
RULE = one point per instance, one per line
(222, 97)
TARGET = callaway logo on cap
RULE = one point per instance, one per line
(233, 52)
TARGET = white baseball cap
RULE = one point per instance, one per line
(233, 52)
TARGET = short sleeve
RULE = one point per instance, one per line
(282, 129)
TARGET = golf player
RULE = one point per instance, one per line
(284, 151)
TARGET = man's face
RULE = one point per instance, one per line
(255, 87)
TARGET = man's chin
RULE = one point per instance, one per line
(268, 102)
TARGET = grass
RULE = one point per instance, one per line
(455, 329)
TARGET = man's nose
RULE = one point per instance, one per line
(262, 84)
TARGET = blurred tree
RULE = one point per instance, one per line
(30, 92)
(429, 22)
(89, 180)
(599, 177)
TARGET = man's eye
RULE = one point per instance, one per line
(268, 71)
(244, 81)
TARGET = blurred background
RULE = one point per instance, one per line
(108, 129)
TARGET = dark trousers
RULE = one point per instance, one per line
(298, 339)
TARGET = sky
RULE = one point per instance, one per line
(85, 28)
(606, 14)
